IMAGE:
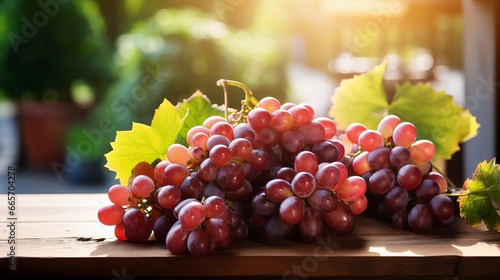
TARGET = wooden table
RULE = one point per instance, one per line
(59, 235)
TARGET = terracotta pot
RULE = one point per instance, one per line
(43, 128)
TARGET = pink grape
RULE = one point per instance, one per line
(191, 215)
(210, 121)
(195, 130)
(168, 196)
(223, 129)
(177, 153)
(327, 176)
(281, 120)
(404, 134)
(329, 126)
(241, 149)
(270, 103)
(301, 115)
(142, 186)
(359, 205)
(200, 139)
(292, 210)
(370, 140)
(354, 130)
(353, 188)
(158, 171)
(306, 161)
(422, 150)
(303, 184)
(259, 118)
(360, 163)
(111, 214)
(278, 190)
(343, 174)
(214, 206)
(119, 195)
(220, 155)
(174, 174)
(387, 124)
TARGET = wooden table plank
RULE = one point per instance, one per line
(59, 234)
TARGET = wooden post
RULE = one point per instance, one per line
(480, 79)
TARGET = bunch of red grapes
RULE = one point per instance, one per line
(277, 172)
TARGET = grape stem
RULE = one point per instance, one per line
(452, 187)
(249, 102)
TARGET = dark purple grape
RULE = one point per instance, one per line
(311, 227)
(262, 206)
(326, 151)
(161, 227)
(230, 177)
(409, 177)
(140, 234)
(323, 200)
(191, 187)
(419, 218)
(292, 210)
(396, 199)
(399, 157)
(199, 243)
(239, 234)
(442, 208)
(399, 220)
(276, 228)
(381, 181)
(286, 173)
(379, 158)
(292, 140)
(219, 232)
(427, 190)
(340, 220)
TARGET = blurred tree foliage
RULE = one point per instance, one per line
(48, 46)
(171, 55)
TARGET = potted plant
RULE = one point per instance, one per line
(52, 49)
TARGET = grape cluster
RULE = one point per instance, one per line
(402, 185)
(277, 171)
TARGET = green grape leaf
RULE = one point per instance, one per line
(196, 108)
(360, 99)
(481, 201)
(143, 142)
(437, 118)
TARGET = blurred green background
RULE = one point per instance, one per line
(78, 71)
